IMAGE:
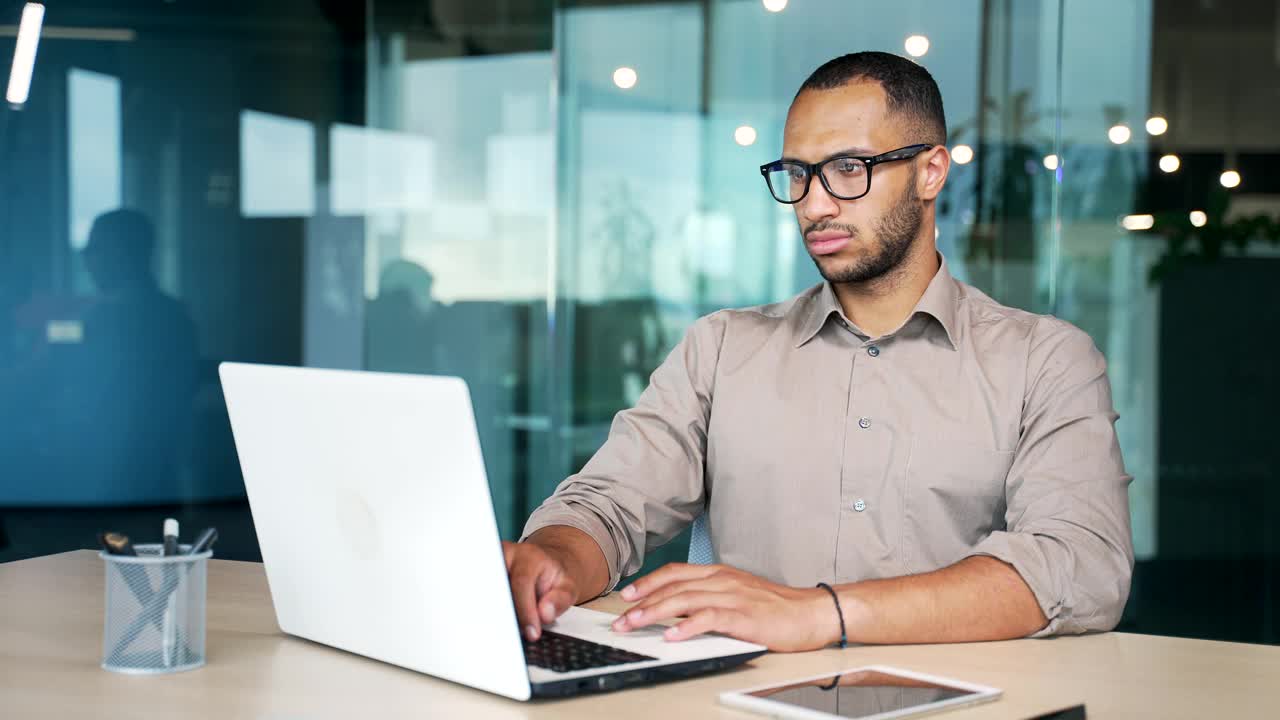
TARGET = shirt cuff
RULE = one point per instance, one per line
(581, 518)
(1025, 554)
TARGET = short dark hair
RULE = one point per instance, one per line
(910, 88)
(125, 234)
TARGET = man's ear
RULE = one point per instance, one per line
(936, 163)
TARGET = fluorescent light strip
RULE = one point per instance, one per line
(24, 53)
(71, 32)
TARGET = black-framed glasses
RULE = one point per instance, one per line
(846, 177)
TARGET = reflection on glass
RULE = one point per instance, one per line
(101, 411)
(459, 192)
(277, 166)
(373, 170)
(862, 693)
(93, 149)
(401, 322)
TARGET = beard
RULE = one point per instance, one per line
(895, 233)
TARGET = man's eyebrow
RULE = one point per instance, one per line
(855, 151)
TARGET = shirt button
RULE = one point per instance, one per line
(864, 423)
(873, 351)
(859, 505)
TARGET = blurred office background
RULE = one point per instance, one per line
(540, 196)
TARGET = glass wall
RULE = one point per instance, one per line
(540, 197)
(1063, 118)
(159, 183)
(349, 185)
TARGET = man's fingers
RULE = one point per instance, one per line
(685, 603)
(552, 605)
(548, 578)
(669, 573)
(712, 583)
(524, 594)
(509, 553)
(722, 620)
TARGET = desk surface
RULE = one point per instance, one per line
(51, 634)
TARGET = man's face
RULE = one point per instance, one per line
(854, 241)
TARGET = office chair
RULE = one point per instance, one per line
(700, 551)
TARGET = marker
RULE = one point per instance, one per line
(117, 544)
(204, 541)
(170, 537)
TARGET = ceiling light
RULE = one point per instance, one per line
(962, 154)
(1119, 134)
(1198, 218)
(744, 135)
(1051, 162)
(916, 45)
(1229, 179)
(775, 5)
(1137, 222)
(24, 53)
(625, 78)
(1157, 125)
(1170, 163)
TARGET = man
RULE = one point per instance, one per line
(946, 465)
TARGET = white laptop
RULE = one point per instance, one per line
(373, 515)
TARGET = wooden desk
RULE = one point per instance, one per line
(51, 635)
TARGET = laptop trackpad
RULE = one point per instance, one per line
(597, 627)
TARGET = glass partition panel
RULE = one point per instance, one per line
(158, 179)
(663, 126)
(457, 183)
(1112, 166)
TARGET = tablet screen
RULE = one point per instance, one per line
(861, 693)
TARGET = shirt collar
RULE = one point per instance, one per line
(940, 301)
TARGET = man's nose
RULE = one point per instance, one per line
(818, 204)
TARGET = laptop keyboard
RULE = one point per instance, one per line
(564, 653)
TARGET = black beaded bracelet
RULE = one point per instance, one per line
(844, 639)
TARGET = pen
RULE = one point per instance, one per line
(204, 541)
(169, 631)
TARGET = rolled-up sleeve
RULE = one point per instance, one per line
(1067, 520)
(645, 484)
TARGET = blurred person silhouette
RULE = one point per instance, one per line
(402, 320)
(120, 407)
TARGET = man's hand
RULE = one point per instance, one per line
(540, 585)
(717, 598)
(551, 571)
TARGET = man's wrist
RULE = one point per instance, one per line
(825, 620)
(827, 614)
(557, 541)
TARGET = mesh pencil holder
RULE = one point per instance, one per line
(154, 619)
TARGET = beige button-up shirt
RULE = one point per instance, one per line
(821, 454)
